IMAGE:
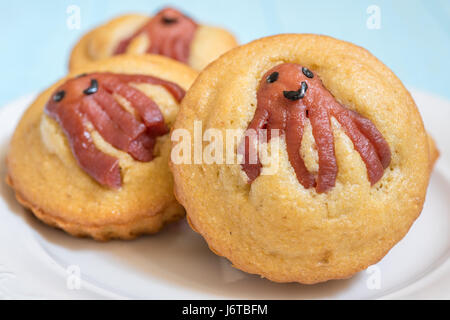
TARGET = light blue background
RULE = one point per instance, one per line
(414, 39)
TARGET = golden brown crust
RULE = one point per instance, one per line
(48, 180)
(128, 231)
(208, 43)
(274, 227)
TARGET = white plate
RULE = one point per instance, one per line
(41, 262)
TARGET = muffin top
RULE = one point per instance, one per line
(339, 184)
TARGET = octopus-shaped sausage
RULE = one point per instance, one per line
(170, 34)
(89, 98)
(288, 95)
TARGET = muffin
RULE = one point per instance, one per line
(90, 155)
(169, 33)
(330, 167)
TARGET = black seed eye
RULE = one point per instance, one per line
(292, 95)
(273, 77)
(308, 73)
(59, 96)
(93, 88)
(296, 95)
(303, 89)
(168, 20)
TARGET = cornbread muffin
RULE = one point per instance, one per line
(347, 180)
(90, 155)
(169, 33)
